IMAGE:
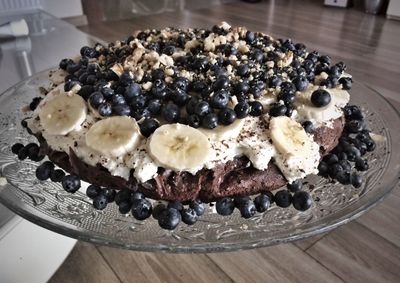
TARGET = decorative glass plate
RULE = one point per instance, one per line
(48, 205)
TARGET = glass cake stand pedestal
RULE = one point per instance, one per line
(48, 205)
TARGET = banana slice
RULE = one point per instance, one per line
(224, 132)
(179, 147)
(114, 136)
(307, 111)
(289, 137)
(62, 113)
(298, 155)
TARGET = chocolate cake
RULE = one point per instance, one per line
(197, 115)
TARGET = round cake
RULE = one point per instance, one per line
(198, 115)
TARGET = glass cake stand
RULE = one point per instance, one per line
(48, 205)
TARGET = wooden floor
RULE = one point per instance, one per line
(365, 250)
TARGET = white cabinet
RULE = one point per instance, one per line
(393, 10)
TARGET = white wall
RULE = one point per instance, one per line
(58, 8)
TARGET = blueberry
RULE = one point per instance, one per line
(335, 71)
(33, 152)
(132, 90)
(243, 70)
(270, 195)
(274, 81)
(257, 55)
(308, 127)
(15, 148)
(198, 207)
(57, 175)
(331, 158)
(302, 200)
(334, 170)
(138, 103)
(180, 83)
(242, 109)
(105, 109)
(148, 126)
(93, 191)
(89, 52)
(262, 202)
(256, 108)
(125, 79)
(370, 145)
(118, 99)
(287, 97)
(175, 204)
(356, 180)
(64, 63)
(323, 169)
(109, 194)
(154, 106)
(220, 99)
(346, 83)
(34, 103)
(295, 186)
(44, 170)
(209, 121)
(169, 218)
(107, 92)
(355, 126)
(283, 198)
(123, 196)
(241, 200)
(226, 116)
(22, 153)
(300, 82)
(201, 64)
(179, 96)
(136, 195)
(277, 109)
(325, 59)
(170, 112)
(345, 165)
(73, 67)
(344, 178)
(342, 156)
(320, 98)
(193, 121)
(121, 110)
(352, 153)
(86, 91)
(141, 209)
(189, 216)
(288, 88)
(222, 82)
(256, 88)
(202, 108)
(100, 202)
(247, 209)
(156, 212)
(313, 56)
(361, 164)
(124, 207)
(95, 99)
(70, 84)
(250, 36)
(91, 79)
(169, 50)
(71, 183)
(225, 206)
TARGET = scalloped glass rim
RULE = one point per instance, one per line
(382, 113)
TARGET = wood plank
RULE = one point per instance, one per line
(282, 263)
(308, 242)
(383, 219)
(84, 264)
(356, 254)
(161, 267)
